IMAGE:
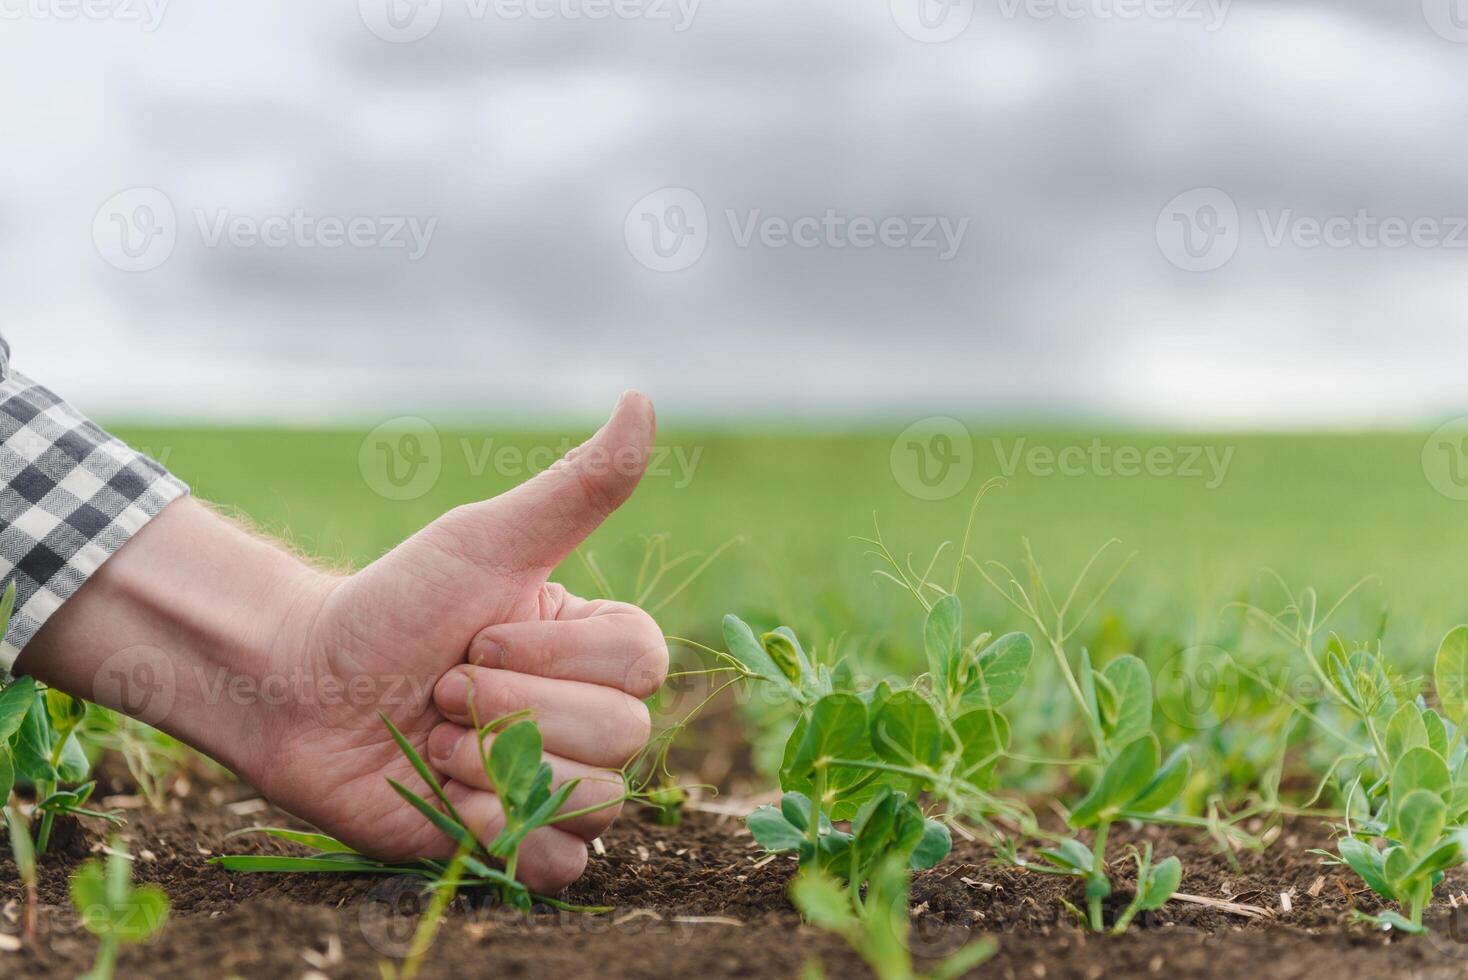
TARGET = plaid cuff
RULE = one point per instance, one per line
(70, 496)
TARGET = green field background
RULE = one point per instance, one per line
(1324, 510)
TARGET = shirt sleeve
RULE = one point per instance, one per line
(70, 496)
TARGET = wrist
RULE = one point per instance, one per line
(192, 627)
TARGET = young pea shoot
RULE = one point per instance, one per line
(113, 909)
(878, 928)
(520, 778)
(1418, 800)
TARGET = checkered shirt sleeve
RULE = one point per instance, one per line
(70, 496)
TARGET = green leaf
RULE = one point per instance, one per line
(968, 958)
(1366, 861)
(1161, 884)
(1419, 768)
(1396, 867)
(15, 701)
(823, 902)
(1446, 854)
(1450, 673)
(943, 639)
(998, 672)
(1131, 715)
(795, 807)
(319, 841)
(73, 765)
(141, 915)
(420, 767)
(1072, 855)
(88, 889)
(906, 731)
(277, 864)
(456, 833)
(1164, 788)
(836, 728)
(1394, 920)
(1406, 730)
(743, 647)
(773, 831)
(64, 711)
(514, 762)
(7, 774)
(1122, 782)
(982, 735)
(1420, 817)
(1437, 732)
(32, 744)
(934, 846)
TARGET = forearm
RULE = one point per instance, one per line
(184, 628)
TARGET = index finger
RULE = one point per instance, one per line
(621, 647)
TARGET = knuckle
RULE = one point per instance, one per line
(649, 667)
(488, 649)
(636, 729)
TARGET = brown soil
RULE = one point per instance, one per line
(698, 900)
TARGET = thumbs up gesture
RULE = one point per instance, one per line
(460, 622)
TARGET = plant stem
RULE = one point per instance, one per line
(106, 960)
(1098, 876)
(817, 801)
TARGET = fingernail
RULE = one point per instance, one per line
(452, 693)
(444, 740)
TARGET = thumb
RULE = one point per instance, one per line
(541, 522)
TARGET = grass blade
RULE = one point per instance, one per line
(421, 768)
(455, 831)
(319, 841)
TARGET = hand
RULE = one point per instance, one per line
(219, 606)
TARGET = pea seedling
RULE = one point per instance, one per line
(867, 757)
(1115, 705)
(520, 778)
(1417, 799)
(112, 909)
(878, 930)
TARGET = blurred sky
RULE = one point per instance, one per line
(533, 155)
